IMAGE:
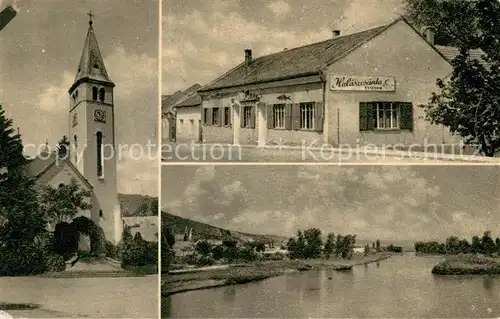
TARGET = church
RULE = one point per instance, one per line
(91, 131)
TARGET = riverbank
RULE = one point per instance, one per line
(468, 265)
(174, 283)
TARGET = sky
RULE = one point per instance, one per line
(396, 203)
(39, 54)
(204, 39)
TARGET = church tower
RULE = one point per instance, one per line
(92, 135)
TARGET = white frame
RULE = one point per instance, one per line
(394, 115)
(279, 116)
(307, 110)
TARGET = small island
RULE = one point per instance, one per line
(480, 257)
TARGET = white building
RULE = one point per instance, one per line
(91, 123)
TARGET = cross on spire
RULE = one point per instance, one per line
(90, 17)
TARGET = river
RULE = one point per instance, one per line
(400, 287)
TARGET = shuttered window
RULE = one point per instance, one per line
(227, 116)
(248, 117)
(307, 116)
(216, 116)
(385, 116)
(205, 116)
(278, 119)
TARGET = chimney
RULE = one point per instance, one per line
(336, 33)
(248, 57)
(428, 32)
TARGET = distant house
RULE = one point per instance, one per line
(183, 248)
(168, 116)
(189, 113)
(355, 89)
(275, 251)
(146, 225)
(188, 116)
(359, 249)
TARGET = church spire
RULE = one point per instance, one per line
(91, 66)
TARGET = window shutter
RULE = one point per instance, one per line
(270, 116)
(209, 116)
(242, 110)
(230, 116)
(296, 116)
(372, 116)
(406, 110)
(252, 116)
(221, 116)
(288, 116)
(366, 116)
(318, 113)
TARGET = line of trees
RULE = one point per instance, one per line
(229, 251)
(454, 246)
(309, 244)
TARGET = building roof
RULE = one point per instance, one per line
(451, 53)
(193, 99)
(91, 64)
(311, 59)
(169, 101)
(297, 62)
(41, 164)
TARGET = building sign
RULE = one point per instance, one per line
(362, 83)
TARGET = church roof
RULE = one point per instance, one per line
(91, 64)
(41, 164)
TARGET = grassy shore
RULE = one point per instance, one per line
(244, 273)
(468, 265)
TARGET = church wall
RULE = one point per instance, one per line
(105, 188)
(56, 176)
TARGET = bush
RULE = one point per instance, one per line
(55, 262)
(22, 261)
(205, 260)
(139, 252)
(112, 250)
(65, 239)
(87, 226)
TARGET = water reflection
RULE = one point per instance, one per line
(400, 287)
(229, 293)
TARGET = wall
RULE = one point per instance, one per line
(165, 128)
(187, 126)
(311, 92)
(398, 52)
(146, 225)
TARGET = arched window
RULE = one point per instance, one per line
(100, 213)
(61, 185)
(101, 94)
(99, 149)
(75, 138)
(94, 93)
